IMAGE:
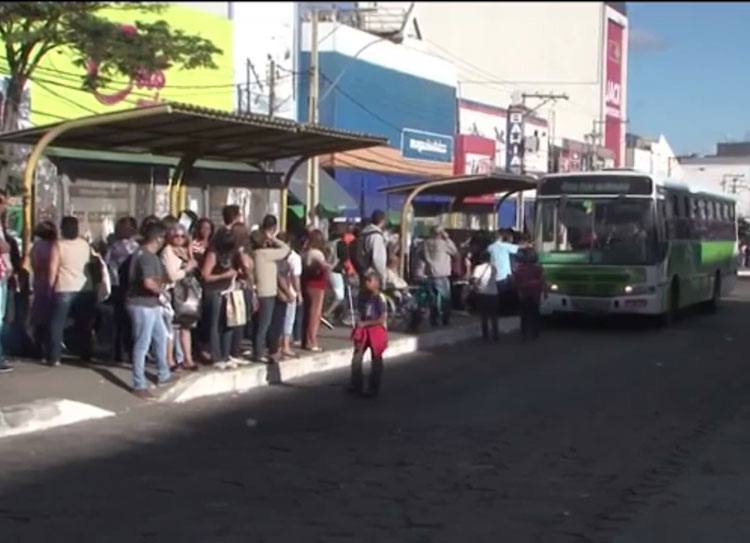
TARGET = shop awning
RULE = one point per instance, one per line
(175, 129)
(334, 200)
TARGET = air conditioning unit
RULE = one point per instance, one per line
(531, 144)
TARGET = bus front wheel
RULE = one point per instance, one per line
(713, 304)
(673, 304)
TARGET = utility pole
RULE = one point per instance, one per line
(248, 68)
(545, 99)
(272, 88)
(313, 194)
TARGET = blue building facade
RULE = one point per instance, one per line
(369, 84)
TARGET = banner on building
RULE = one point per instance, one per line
(613, 90)
(422, 145)
(514, 148)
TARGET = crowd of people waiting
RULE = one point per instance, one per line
(185, 293)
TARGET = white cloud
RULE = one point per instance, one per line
(640, 39)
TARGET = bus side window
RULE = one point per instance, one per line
(672, 205)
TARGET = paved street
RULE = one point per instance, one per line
(569, 439)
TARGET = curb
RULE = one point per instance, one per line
(257, 375)
(44, 414)
(49, 413)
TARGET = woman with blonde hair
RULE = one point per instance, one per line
(315, 271)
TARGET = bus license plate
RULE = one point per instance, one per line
(591, 306)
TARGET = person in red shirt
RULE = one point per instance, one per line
(369, 333)
(528, 279)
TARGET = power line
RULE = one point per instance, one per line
(78, 77)
(360, 105)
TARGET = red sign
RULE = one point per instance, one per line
(613, 90)
(474, 155)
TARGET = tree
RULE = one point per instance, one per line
(102, 48)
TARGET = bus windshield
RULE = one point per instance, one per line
(597, 231)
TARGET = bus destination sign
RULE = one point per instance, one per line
(596, 184)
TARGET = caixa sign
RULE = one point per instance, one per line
(426, 145)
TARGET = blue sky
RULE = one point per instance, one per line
(689, 72)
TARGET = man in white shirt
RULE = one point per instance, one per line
(484, 287)
(291, 270)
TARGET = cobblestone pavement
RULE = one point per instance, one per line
(567, 440)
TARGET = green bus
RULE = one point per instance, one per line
(622, 242)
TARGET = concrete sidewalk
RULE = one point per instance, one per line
(709, 502)
(37, 397)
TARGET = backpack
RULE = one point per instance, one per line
(344, 256)
(360, 257)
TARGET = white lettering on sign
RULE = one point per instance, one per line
(428, 146)
(613, 93)
(595, 187)
(516, 118)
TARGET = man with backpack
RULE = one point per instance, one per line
(370, 248)
(344, 249)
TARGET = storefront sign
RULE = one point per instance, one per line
(613, 96)
(514, 144)
(426, 146)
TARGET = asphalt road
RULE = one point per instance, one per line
(562, 440)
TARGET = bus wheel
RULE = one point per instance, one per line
(713, 305)
(673, 305)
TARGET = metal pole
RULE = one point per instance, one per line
(312, 117)
(248, 107)
(272, 89)
(46, 140)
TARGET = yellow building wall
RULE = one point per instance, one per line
(56, 85)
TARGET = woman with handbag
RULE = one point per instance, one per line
(219, 275)
(184, 290)
(315, 271)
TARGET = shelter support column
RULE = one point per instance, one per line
(176, 189)
(405, 227)
(36, 154)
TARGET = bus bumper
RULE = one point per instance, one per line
(646, 304)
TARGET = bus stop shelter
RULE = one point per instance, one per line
(187, 133)
(460, 188)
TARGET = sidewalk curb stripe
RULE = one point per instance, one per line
(45, 414)
(241, 380)
(48, 413)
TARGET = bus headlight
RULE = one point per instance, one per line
(639, 289)
(553, 287)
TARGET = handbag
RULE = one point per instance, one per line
(99, 273)
(236, 310)
(186, 300)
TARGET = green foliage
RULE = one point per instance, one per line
(30, 30)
